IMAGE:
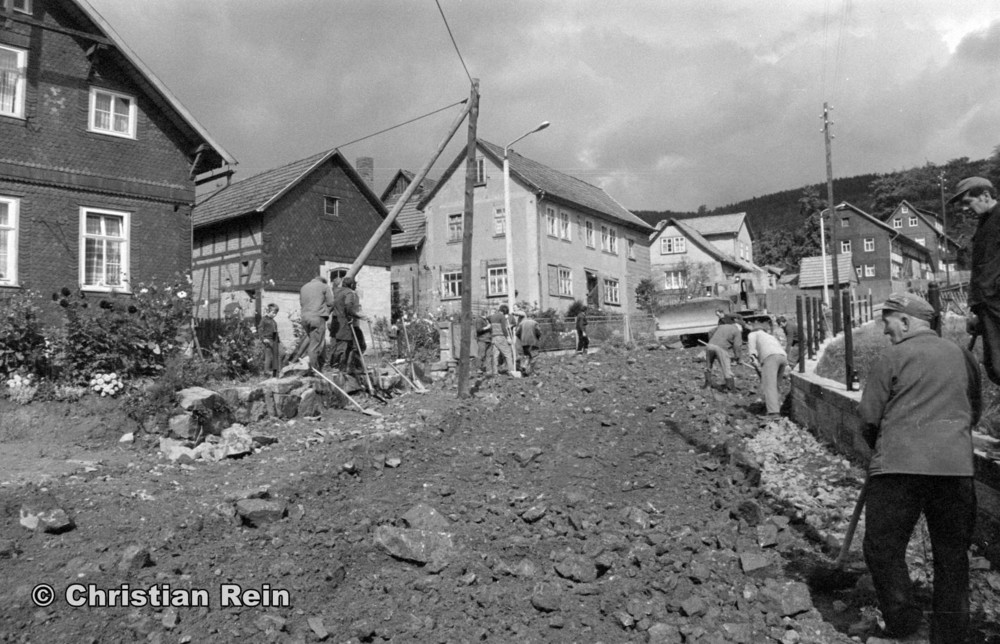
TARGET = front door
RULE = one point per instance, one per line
(593, 296)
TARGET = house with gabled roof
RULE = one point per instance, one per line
(571, 240)
(257, 241)
(406, 243)
(684, 262)
(99, 161)
(927, 229)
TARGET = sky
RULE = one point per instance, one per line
(666, 104)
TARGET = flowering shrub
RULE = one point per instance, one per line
(21, 389)
(106, 384)
(22, 342)
(238, 349)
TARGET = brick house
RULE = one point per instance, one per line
(259, 240)
(571, 240)
(98, 160)
(406, 243)
(926, 229)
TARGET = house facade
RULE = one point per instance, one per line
(926, 229)
(684, 262)
(256, 242)
(98, 160)
(571, 240)
(408, 242)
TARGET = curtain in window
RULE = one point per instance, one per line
(121, 115)
(102, 261)
(8, 81)
(4, 255)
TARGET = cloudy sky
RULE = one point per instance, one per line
(666, 104)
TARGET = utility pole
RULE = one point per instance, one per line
(464, 348)
(833, 219)
(944, 230)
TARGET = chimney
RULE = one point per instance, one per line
(366, 168)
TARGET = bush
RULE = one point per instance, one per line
(22, 340)
(157, 399)
(238, 351)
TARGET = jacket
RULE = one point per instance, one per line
(728, 336)
(984, 286)
(315, 299)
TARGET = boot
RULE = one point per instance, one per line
(730, 384)
(708, 379)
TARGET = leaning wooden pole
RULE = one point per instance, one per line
(834, 251)
(467, 222)
(405, 198)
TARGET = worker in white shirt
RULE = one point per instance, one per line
(768, 356)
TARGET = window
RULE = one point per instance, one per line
(335, 275)
(857, 271)
(24, 6)
(672, 245)
(9, 208)
(455, 227)
(480, 171)
(451, 285)
(13, 63)
(897, 222)
(611, 291)
(564, 229)
(496, 281)
(845, 222)
(869, 244)
(612, 241)
(551, 222)
(897, 270)
(604, 238)
(104, 254)
(112, 113)
(913, 222)
(869, 270)
(565, 281)
(674, 280)
(499, 222)
(845, 246)
(631, 249)
(590, 235)
(920, 240)
(331, 206)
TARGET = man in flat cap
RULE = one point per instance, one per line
(978, 195)
(919, 405)
(348, 337)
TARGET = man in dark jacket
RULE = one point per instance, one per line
(919, 405)
(582, 339)
(728, 336)
(347, 309)
(528, 334)
(979, 196)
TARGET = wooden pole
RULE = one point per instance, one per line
(800, 318)
(405, 198)
(833, 220)
(848, 341)
(470, 201)
(809, 327)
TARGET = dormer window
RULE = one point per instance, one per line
(112, 113)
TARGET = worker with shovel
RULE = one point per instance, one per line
(500, 332)
(770, 360)
(727, 337)
(918, 408)
(349, 339)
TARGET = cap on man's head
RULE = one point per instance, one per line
(518, 313)
(348, 282)
(968, 184)
(912, 305)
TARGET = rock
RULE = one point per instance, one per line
(316, 625)
(52, 521)
(169, 619)
(738, 632)
(263, 440)
(547, 598)
(534, 513)
(310, 404)
(247, 403)
(176, 451)
(259, 512)
(134, 558)
(639, 518)
(283, 385)
(183, 426)
(751, 562)
(209, 452)
(750, 512)
(286, 405)
(207, 406)
(660, 633)
(127, 438)
(393, 462)
(526, 456)
(236, 441)
(693, 606)
(767, 535)
(793, 598)
(526, 568)
(424, 517)
(577, 568)
(8, 549)
(421, 546)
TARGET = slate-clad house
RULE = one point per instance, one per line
(98, 160)
(926, 229)
(259, 240)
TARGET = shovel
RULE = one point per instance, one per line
(363, 410)
(416, 385)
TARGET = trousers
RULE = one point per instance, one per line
(715, 354)
(771, 370)
(895, 502)
(990, 328)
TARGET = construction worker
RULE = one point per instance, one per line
(349, 340)
(728, 336)
(315, 302)
(919, 405)
(582, 339)
(499, 334)
(528, 334)
(484, 340)
(770, 360)
(791, 330)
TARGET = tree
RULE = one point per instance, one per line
(645, 294)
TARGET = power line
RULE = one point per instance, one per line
(450, 35)
(344, 145)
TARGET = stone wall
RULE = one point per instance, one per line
(831, 413)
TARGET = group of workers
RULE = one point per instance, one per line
(339, 311)
(500, 336)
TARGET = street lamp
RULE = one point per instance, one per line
(508, 230)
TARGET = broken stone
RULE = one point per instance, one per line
(637, 517)
(750, 512)
(421, 546)
(286, 405)
(310, 404)
(577, 568)
(534, 513)
(53, 521)
(127, 438)
(169, 620)
(209, 407)
(767, 535)
(752, 561)
(134, 558)
(424, 517)
(282, 385)
(183, 426)
(393, 462)
(236, 441)
(693, 606)
(258, 512)
(527, 455)
(547, 598)
(660, 633)
(316, 625)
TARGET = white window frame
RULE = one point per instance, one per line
(921, 240)
(20, 84)
(499, 222)
(591, 235)
(496, 281)
(327, 200)
(673, 245)
(455, 227)
(451, 285)
(845, 222)
(565, 281)
(674, 280)
(552, 227)
(125, 241)
(22, 6)
(565, 229)
(869, 270)
(857, 271)
(8, 273)
(613, 240)
(845, 245)
(869, 244)
(912, 221)
(611, 293)
(115, 97)
(897, 222)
